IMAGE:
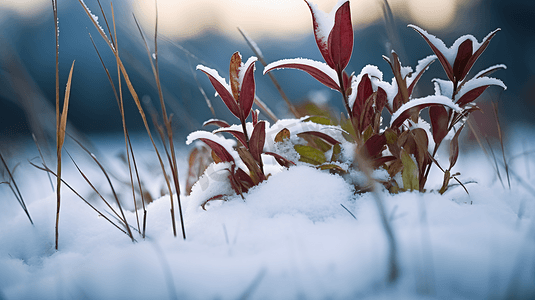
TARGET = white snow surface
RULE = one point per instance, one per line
(290, 238)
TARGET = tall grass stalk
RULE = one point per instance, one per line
(171, 155)
(140, 109)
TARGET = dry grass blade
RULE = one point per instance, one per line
(130, 87)
(167, 124)
(60, 139)
(258, 54)
(495, 162)
(13, 185)
(42, 159)
(94, 188)
(500, 136)
(46, 169)
(123, 217)
(58, 152)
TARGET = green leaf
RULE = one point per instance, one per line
(337, 150)
(333, 167)
(409, 174)
(310, 155)
(319, 120)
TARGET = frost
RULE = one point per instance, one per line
(95, 21)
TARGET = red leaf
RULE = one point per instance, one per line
(364, 91)
(454, 148)
(341, 38)
(321, 135)
(234, 70)
(216, 122)
(255, 117)
(408, 112)
(417, 78)
(318, 74)
(225, 95)
(258, 138)
(321, 41)
(237, 134)
(381, 100)
(439, 123)
(464, 53)
(443, 61)
(471, 95)
(478, 52)
(374, 145)
(247, 91)
(219, 150)
(281, 160)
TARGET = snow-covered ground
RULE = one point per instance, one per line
(289, 239)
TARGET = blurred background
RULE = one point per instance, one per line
(205, 32)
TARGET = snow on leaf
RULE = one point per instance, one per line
(476, 83)
(323, 25)
(247, 86)
(222, 88)
(216, 122)
(405, 110)
(320, 71)
(201, 134)
(341, 38)
(490, 70)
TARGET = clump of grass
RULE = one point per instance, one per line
(167, 121)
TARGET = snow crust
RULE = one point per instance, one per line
(289, 239)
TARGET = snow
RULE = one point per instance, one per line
(324, 21)
(244, 67)
(433, 99)
(215, 75)
(478, 82)
(290, 238)
(451, 52)
(323, 67)
(95, 19)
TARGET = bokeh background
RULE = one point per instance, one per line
(205, 32)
